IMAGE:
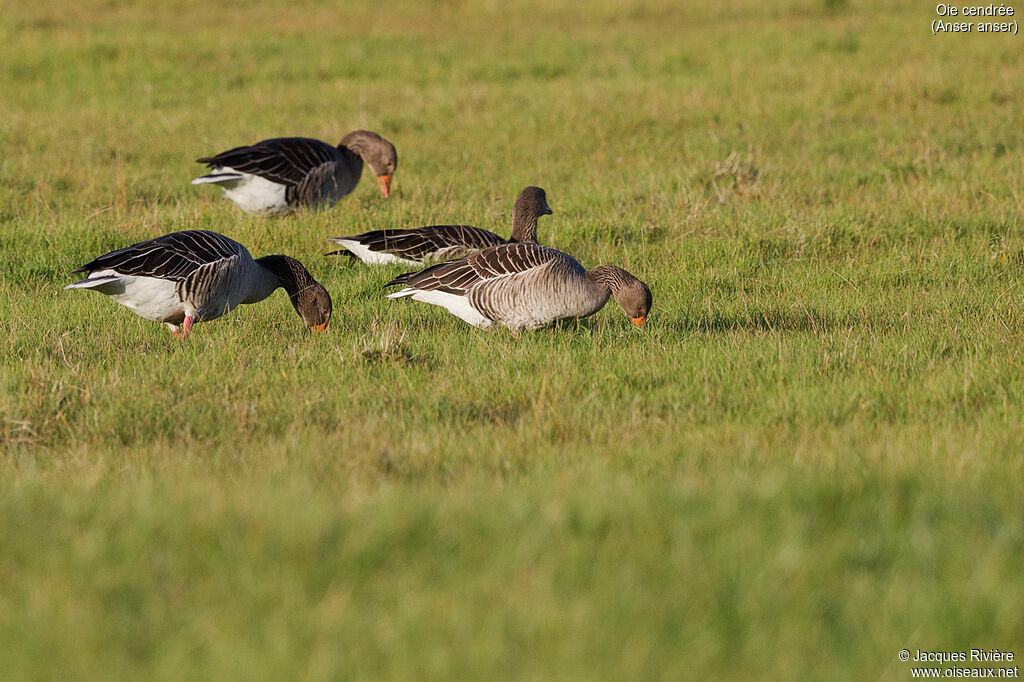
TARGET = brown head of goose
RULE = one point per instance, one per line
(436, 242)
(184, 277)
(524, 286)
(276, 176)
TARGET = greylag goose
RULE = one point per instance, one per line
(437, 242)
(276, 176)
(183, 277)
(523, 286)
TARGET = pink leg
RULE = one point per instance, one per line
(186, 327)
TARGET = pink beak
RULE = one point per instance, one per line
(384, 182)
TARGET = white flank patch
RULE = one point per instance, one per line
(253, 194)
(151, 298)
(457, 305)
(363, 253)
(148, 297)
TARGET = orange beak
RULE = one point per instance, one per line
(319, 327)
(638, 321)
(384, 182)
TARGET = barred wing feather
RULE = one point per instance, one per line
(284, 160)
(432, 242)
(173, 256)
(461, 275)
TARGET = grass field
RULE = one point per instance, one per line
(807, 460)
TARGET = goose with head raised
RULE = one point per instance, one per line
(436, 242)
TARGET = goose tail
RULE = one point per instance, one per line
(103, 283)
(402, 293)
(218, 179)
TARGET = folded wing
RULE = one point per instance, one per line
(423, 243)
(284, 160)
(460, 276)
(173, 256)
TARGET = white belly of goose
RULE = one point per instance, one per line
(148, 297)
(258, 196)
(371, 257)
(253, 194)
(457, 305)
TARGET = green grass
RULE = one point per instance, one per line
(807, 460)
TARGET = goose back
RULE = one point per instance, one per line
(172, 256)
(436, 242)
(417, 245)
(284, 160)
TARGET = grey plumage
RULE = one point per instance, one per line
(524, 286)
(281, 174)
(435, 242)
(195, 275)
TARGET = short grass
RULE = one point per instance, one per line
(809, 459)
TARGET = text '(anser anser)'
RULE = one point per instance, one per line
(276, 176)
(524, 286)
(184, 277)
(416, 246)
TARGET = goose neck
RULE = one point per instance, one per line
(286, 272)
(524, 224)
(608, 277)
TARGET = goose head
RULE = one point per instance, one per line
(377, 153)
(635, 298)
(530, 205)
(313, 304)
(309, 298)
(632, 295)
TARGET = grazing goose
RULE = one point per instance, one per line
(524, 286)
(436, 242)
(276, 176)
(198, 275)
